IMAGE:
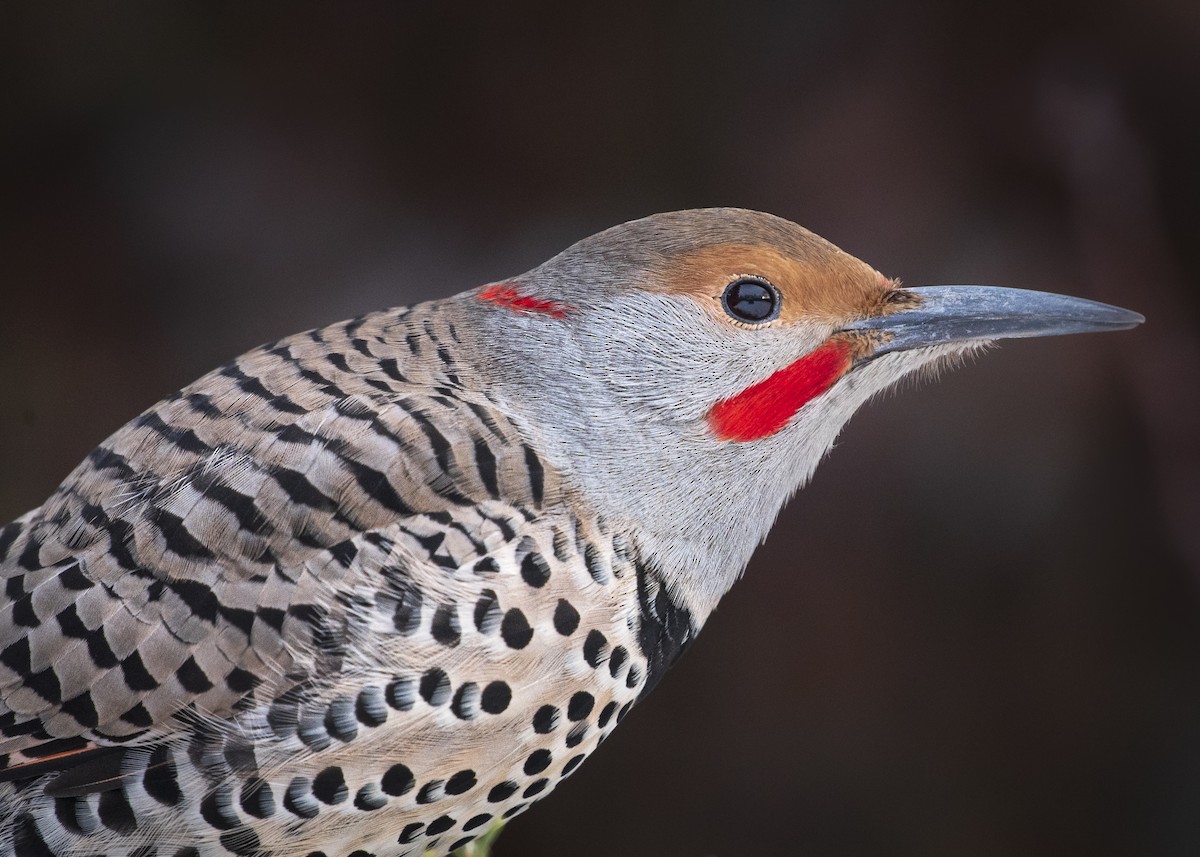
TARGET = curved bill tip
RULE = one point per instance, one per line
(963, 313)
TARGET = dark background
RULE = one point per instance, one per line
(976, 632)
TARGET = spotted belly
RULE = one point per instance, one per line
(454, 704)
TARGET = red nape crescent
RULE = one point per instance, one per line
(763, 409)
(507, 296)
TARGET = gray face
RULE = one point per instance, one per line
(618, 388)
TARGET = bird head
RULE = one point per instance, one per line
(687, 371)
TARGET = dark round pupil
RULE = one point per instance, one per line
(749, 300)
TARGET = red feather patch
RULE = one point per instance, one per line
(763, 409)
(506, 296)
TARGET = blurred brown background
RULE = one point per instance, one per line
(976, 632)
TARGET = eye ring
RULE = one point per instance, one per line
(752, 300)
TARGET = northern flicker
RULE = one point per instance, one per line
(371, 588)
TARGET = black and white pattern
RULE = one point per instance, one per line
(327, 598)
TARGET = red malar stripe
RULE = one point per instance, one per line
(763, 409)
(506, 296)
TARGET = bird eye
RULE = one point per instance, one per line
(751, 299)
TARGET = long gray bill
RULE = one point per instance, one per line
(960, 313)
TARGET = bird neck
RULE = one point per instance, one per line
(695, 507)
